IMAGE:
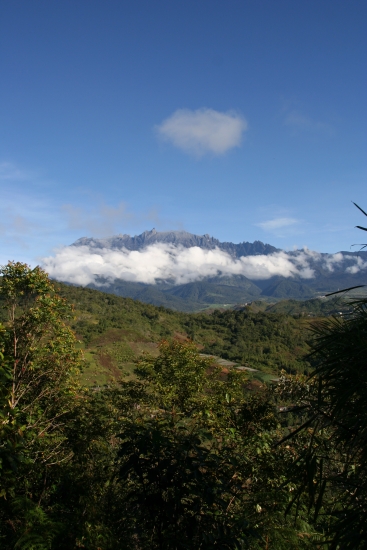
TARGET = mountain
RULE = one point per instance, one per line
(187, 297)
(217, 290)
(177, 238)
(149, 294)
(286, 288)
(188, 272)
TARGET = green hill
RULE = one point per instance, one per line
(114, 331)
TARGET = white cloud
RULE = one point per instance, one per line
(277, 223)
(334, 259)
(83, 265)
(358, 266)
(203, 131)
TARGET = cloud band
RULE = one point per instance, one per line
(83, 265)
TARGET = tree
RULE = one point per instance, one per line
(39, 370)
(196, 465)
(332, 466)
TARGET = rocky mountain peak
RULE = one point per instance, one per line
(178, 238)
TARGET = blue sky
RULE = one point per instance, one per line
(242, 119)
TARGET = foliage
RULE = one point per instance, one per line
(39, 367)
(317, 307)
(196, 460)
(181, 492)
(332, 467)
(264, 341)
(178, 377)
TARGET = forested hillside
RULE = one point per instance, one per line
(116, 330)
(317, 307)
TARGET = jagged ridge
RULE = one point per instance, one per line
(181, 238)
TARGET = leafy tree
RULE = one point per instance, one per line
(196, 464)
(332, 466)
(39, 367)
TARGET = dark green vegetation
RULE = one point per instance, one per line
(317, 307)
(332, 467)
(176, 452)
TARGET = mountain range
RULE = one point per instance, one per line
(177, 238)
(243, 272)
